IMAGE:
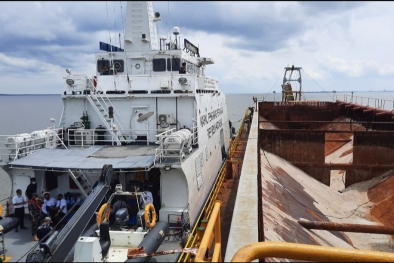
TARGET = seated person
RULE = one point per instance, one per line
(44, 229)
(48, 208)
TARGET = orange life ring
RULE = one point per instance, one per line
(1, 210)
(149, 208)
(103, 214)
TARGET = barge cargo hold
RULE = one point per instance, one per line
(324, 170)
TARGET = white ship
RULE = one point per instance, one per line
(150, 114)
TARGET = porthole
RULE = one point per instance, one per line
(117, 66)
(137, 66)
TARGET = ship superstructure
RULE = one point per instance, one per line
(150, 112)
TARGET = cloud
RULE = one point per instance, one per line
(259, 26)
(327, 7)
(338, 44)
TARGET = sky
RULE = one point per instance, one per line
(341, 46)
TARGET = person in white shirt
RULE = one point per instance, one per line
(48, 208)
(61, 209)
(19, 209)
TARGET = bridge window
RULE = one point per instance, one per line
(119, 65)
(103, 66)
(159, 64)
(174, 64)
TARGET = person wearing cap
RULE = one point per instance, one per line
(49, 204)
(44, 229)
(19, 209)
(61, 209)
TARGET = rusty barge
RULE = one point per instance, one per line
(323, 171)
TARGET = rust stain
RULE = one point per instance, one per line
(290, 197)
(346, 152)
(314, 214)
(383, 196)
(382, 190)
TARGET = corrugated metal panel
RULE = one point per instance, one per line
(80, 159)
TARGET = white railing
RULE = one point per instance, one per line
(165, 152)
(366, 101)
(89, 137)
(13, 147)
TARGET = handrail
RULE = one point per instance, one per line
(207, 209)
(16, 149)
(117, 115)
(367, 101)
(289, 250)
(213, 224)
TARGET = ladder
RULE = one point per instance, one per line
(82, 181)
(103, 115)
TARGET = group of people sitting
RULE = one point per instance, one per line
(44, 213)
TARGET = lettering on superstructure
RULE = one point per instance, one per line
(216, 126)
(208, 118)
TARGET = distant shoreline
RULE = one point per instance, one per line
(357, 91)
(30, 94)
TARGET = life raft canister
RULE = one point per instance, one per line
(149, 208)
(103, 214)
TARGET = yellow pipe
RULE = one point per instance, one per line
(215, 215)
(308, 252)
(217, 254)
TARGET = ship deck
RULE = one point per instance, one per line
(93, 157)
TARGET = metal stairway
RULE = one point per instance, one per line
(103, 114)
(82, 181)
